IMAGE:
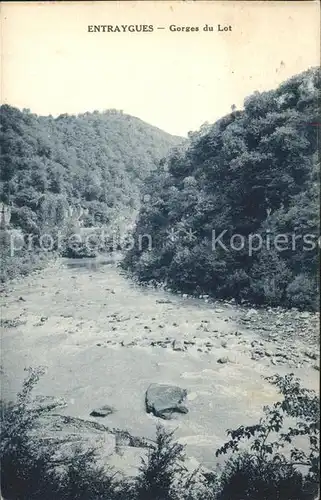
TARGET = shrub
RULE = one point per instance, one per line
(274, 468)
(302, 292)
(246, 478)
(29, 472)
(84, 480)
(157, 474)
(23, 263)
(22, 469)
(270, 277)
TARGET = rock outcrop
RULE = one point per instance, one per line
(103, 411)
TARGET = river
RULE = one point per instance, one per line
(100, 336)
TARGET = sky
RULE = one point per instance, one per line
(176, 81)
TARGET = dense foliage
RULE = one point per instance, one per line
(252, 177)
(285, 439)
(61, 174)
(93, 161)
(263, 471)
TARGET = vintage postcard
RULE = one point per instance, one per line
(159, 241)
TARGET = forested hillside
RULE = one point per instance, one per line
(253, 175)
(94, 161)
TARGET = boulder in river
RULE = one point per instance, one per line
(103, 411)
(163, 301)
(223, 360)
(163, 400)
(178, 345)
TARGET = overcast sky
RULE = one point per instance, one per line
(176, 81)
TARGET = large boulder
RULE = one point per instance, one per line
(63, 435)
(104, 445)
(164, 400)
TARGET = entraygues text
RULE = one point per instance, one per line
(149, 28)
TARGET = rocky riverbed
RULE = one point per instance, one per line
(104, 340)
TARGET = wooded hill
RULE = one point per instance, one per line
(95, 161)
(254, 171)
